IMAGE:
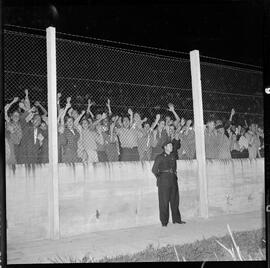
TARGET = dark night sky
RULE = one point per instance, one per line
(231, 30)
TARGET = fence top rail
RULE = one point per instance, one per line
(114, 44)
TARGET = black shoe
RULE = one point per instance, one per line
(179, 222)
(164, 225)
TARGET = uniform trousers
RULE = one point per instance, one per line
(168, 193)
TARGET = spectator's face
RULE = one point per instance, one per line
(161, 125)
(252, 127)
(137, 117)
(85, 124)
(168, 148)
(36, 121)
(126, 122)
(211, 125)
(221, 130)
(98, 116)
(15, 117)
(171, 130)
(218, 122)
(168, 120)
(233, 128)
(234, 137)
(146, 126)
(70, 123)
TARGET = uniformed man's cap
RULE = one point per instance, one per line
(166, 143)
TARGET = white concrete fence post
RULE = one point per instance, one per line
(199, 130)
(53, 195)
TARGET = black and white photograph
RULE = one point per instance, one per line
(133, 132)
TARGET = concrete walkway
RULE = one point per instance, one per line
(128, 241)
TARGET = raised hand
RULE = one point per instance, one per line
(130, 112)
(68, 105)
(189, 123)
(90, 103)
(59, 95)
(21, 105)
(16, 99)
(233, 111)
(68, 99)
(26, 92)
(108, 103)
(171, 107)
(37, 103)
(157, 116)
(183, 121)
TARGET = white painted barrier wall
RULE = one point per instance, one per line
(106, 196)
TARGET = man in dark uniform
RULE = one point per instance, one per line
(164, 169)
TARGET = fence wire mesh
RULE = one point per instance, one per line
(25, 81)
(233, 111)
(117, 104)
(140, 88)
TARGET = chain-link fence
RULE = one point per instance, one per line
(117, 104)
(140, 88)
(233, 108)
(25, 78)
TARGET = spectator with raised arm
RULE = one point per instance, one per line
(31, 136)
(87, 145)
(243, 143)
(146, 139)
(101, 131)
(234, 145)
(187, 139)
(61, 129)
(211, 142)
(13, 133)
(44, 115)
(69, 138)
(253, 141)
(111, 142)
(223, 144)
(43, 156)
(128, 137)
(160, 135)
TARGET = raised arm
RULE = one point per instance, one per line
(112, 131)
(232, 114)
(44, 111)
(171, 109)
(77, 120)
(88, 111)
(30, 114)
(27, 100)
(130, 112)
(108, 104)
(62, 116)
(58, 102)
(7, 107)
(156, 122)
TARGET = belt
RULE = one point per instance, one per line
(167, 171)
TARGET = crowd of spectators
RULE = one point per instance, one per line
(107, 136)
